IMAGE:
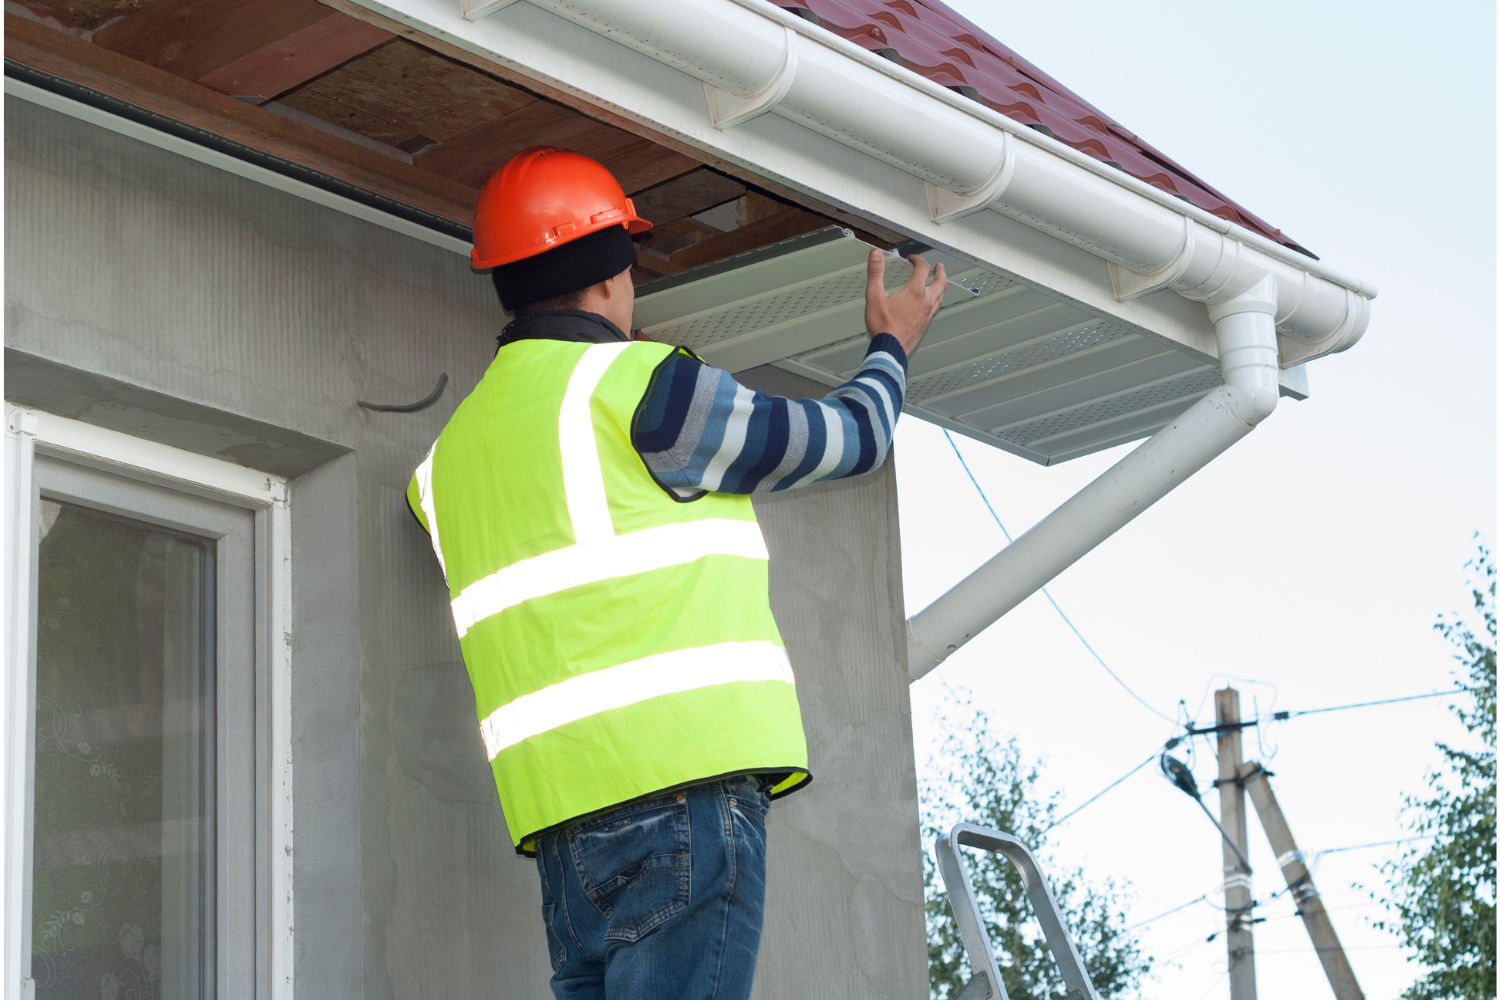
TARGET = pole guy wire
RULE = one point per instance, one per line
(1066, 620)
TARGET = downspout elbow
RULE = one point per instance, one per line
(1245, 327)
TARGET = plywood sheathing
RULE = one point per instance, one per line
(636, 162)
(417, 90)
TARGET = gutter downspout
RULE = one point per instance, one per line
(1244, 325)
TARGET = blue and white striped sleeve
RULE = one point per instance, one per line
(698, 430)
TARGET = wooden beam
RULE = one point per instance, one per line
(73, 59)
(296, 59)
(636, 163)
(258, 48)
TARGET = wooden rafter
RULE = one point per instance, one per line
(257, 48)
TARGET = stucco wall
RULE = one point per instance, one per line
(165, 298)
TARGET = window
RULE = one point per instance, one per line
(152, 773)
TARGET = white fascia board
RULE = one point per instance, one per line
(560, 54)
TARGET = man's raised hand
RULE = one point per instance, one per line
(905, 313)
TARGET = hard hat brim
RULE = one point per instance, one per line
(633, 224)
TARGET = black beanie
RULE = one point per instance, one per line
(566, 268)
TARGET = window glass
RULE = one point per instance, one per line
(122, 865)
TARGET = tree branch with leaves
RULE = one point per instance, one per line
(978, 778)
(1443, 895)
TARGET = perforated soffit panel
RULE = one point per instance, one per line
(1003, 362)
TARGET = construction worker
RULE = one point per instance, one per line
(589, 504)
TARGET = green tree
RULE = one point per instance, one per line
(1443, 894)
(977, 778)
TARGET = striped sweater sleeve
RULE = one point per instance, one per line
(699, 430)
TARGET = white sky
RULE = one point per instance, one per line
(1315, 554)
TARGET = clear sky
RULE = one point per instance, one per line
(1313, 557)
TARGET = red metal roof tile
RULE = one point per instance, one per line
(930, 39)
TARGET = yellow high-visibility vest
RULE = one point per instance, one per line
(620, 641)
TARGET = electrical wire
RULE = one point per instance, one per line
(1201, 899)
(1066, 620)
(1212, 986)
(1378, 843)
(1100, 794)
(1283, 716)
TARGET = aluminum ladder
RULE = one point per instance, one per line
(986, 983)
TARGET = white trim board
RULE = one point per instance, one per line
(230, 164)
(29, 431)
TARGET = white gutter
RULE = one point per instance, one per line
(1270, 306)
(754, 58)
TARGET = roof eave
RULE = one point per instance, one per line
(815, 113)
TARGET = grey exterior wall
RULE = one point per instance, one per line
(164, 298)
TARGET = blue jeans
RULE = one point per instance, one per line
(660, 899)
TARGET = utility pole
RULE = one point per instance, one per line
(1238, 899)
(1255, 780)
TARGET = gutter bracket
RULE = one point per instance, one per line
(946, 205)
(726, 110)
(473, 10)
(1130, 284)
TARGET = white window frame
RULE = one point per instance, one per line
(29, 432)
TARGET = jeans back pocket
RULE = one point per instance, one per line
(635, 864)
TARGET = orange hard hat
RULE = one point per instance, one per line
(542, 198)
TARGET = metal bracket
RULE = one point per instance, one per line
(971, 923)
(727, 110)
(473, 10)
(1130, 284)
(945, 205)
(977, 988)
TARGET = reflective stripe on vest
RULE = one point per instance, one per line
(615, 687)
(429, 511)
(618, 555)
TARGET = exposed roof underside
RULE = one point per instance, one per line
(1003, 362)
(932, 40)
(742, 270)
(387, 114)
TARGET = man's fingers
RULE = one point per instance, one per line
(874, 274)
(919, 272)
(939, 286)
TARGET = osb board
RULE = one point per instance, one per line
(686, 195)
(637, 163)
(418, 91)
(353, 119)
